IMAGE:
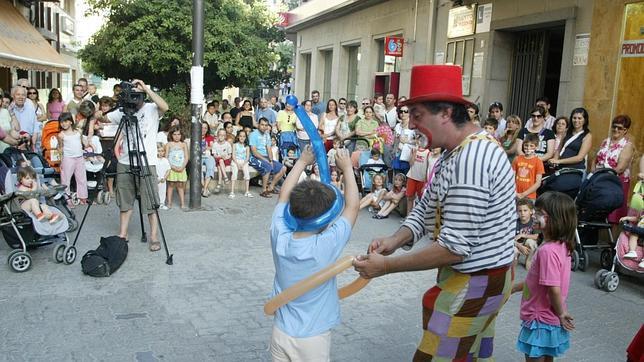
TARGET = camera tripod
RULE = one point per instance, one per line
(129, 132)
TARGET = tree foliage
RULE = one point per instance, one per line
(152, 40)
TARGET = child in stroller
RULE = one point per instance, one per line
(27, 181)
(634, 233)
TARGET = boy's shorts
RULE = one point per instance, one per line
(313, 349)
(414, 187)
(264, 167)
(226, 162)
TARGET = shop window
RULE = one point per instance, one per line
(461, 52)
(327, 57)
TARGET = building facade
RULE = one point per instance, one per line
(37, 42)
(511, 51)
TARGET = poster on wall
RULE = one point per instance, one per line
(439, 58)
(477, 65)
(461, 21)
(580, 54)
(483, 18)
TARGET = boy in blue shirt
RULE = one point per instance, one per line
(301, 330)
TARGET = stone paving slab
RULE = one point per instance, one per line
(208, 305)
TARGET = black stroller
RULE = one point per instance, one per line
(599, 195)
(565, 180)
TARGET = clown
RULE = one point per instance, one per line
(468, 213)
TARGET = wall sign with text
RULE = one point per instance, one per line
(394, 46)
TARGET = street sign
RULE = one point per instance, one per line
(394, 46)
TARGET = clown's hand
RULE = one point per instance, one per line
(370, 265)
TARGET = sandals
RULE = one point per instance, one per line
(379, 217)
(266, 194)
(273, 191)
(154, 246)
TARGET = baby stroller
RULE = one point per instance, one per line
(22, 230)
(565, 180)
(599, 195)
(288, 141)
(50, 144)
(365, 171)
(608, 280)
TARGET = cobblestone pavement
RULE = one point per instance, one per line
(208, 305)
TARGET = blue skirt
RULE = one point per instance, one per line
(538, 339)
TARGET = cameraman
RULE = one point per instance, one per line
(147, 120)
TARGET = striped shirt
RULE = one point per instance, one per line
(474, 185)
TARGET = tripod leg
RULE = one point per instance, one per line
(169, 256)
(80, 227)
(137, 190)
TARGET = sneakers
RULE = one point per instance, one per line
(231, 195)
(631, 255)
(248, 194)
(163, 207)
(641, 264)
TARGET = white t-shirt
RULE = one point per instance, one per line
(391, 117)
(302, 134)
(148, 121)
(163, 166)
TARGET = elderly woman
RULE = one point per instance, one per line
(616, 152)
(574, 148)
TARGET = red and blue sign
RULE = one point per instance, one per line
(394, 46)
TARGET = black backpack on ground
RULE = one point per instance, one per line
(106, 259)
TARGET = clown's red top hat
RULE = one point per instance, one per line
(436, 83)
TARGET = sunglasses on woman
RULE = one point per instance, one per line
(404, 111)
(32, 93)
(617, 127)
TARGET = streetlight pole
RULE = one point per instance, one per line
(196, 101)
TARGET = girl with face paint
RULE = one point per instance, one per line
(546, 322)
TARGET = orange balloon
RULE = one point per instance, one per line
(315, 280)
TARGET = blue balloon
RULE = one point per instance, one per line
(319, 151)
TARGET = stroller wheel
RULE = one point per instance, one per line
(599, 278)
(575, 260)
(59, 253)
(73, 224)
(606, 259)
(583, 261)
(70, 255)
(107, 198)
(75, 199)
(20, 261)
(12, 253)
(610, 281)
(99, 197)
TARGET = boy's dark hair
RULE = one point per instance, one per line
(531, 138)
(292, 148)
(495, 104)
(310, 198)
(491, 122)
(375, 152)
(562, 217)
(525, 202)
(26, 171)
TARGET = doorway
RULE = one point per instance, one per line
(536, 69)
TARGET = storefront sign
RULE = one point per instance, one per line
(580, 55)
(483, 18)
(394, 46)
(461, 21)
(633, 48)
(282, 20)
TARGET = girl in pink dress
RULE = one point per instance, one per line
(55, 105)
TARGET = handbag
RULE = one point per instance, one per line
(637, 200)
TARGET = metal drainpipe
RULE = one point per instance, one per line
(431, 31)
(415, 20)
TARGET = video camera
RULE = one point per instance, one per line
(130, 98)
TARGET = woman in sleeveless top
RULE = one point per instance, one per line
(245, 117)
(616, 152)
(574, 148)
(328, 122)
(55, 105)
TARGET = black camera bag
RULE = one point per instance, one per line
(106, 259)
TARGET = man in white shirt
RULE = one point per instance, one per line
(391, 113)
(147, 115)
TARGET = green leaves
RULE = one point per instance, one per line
(152, 40)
